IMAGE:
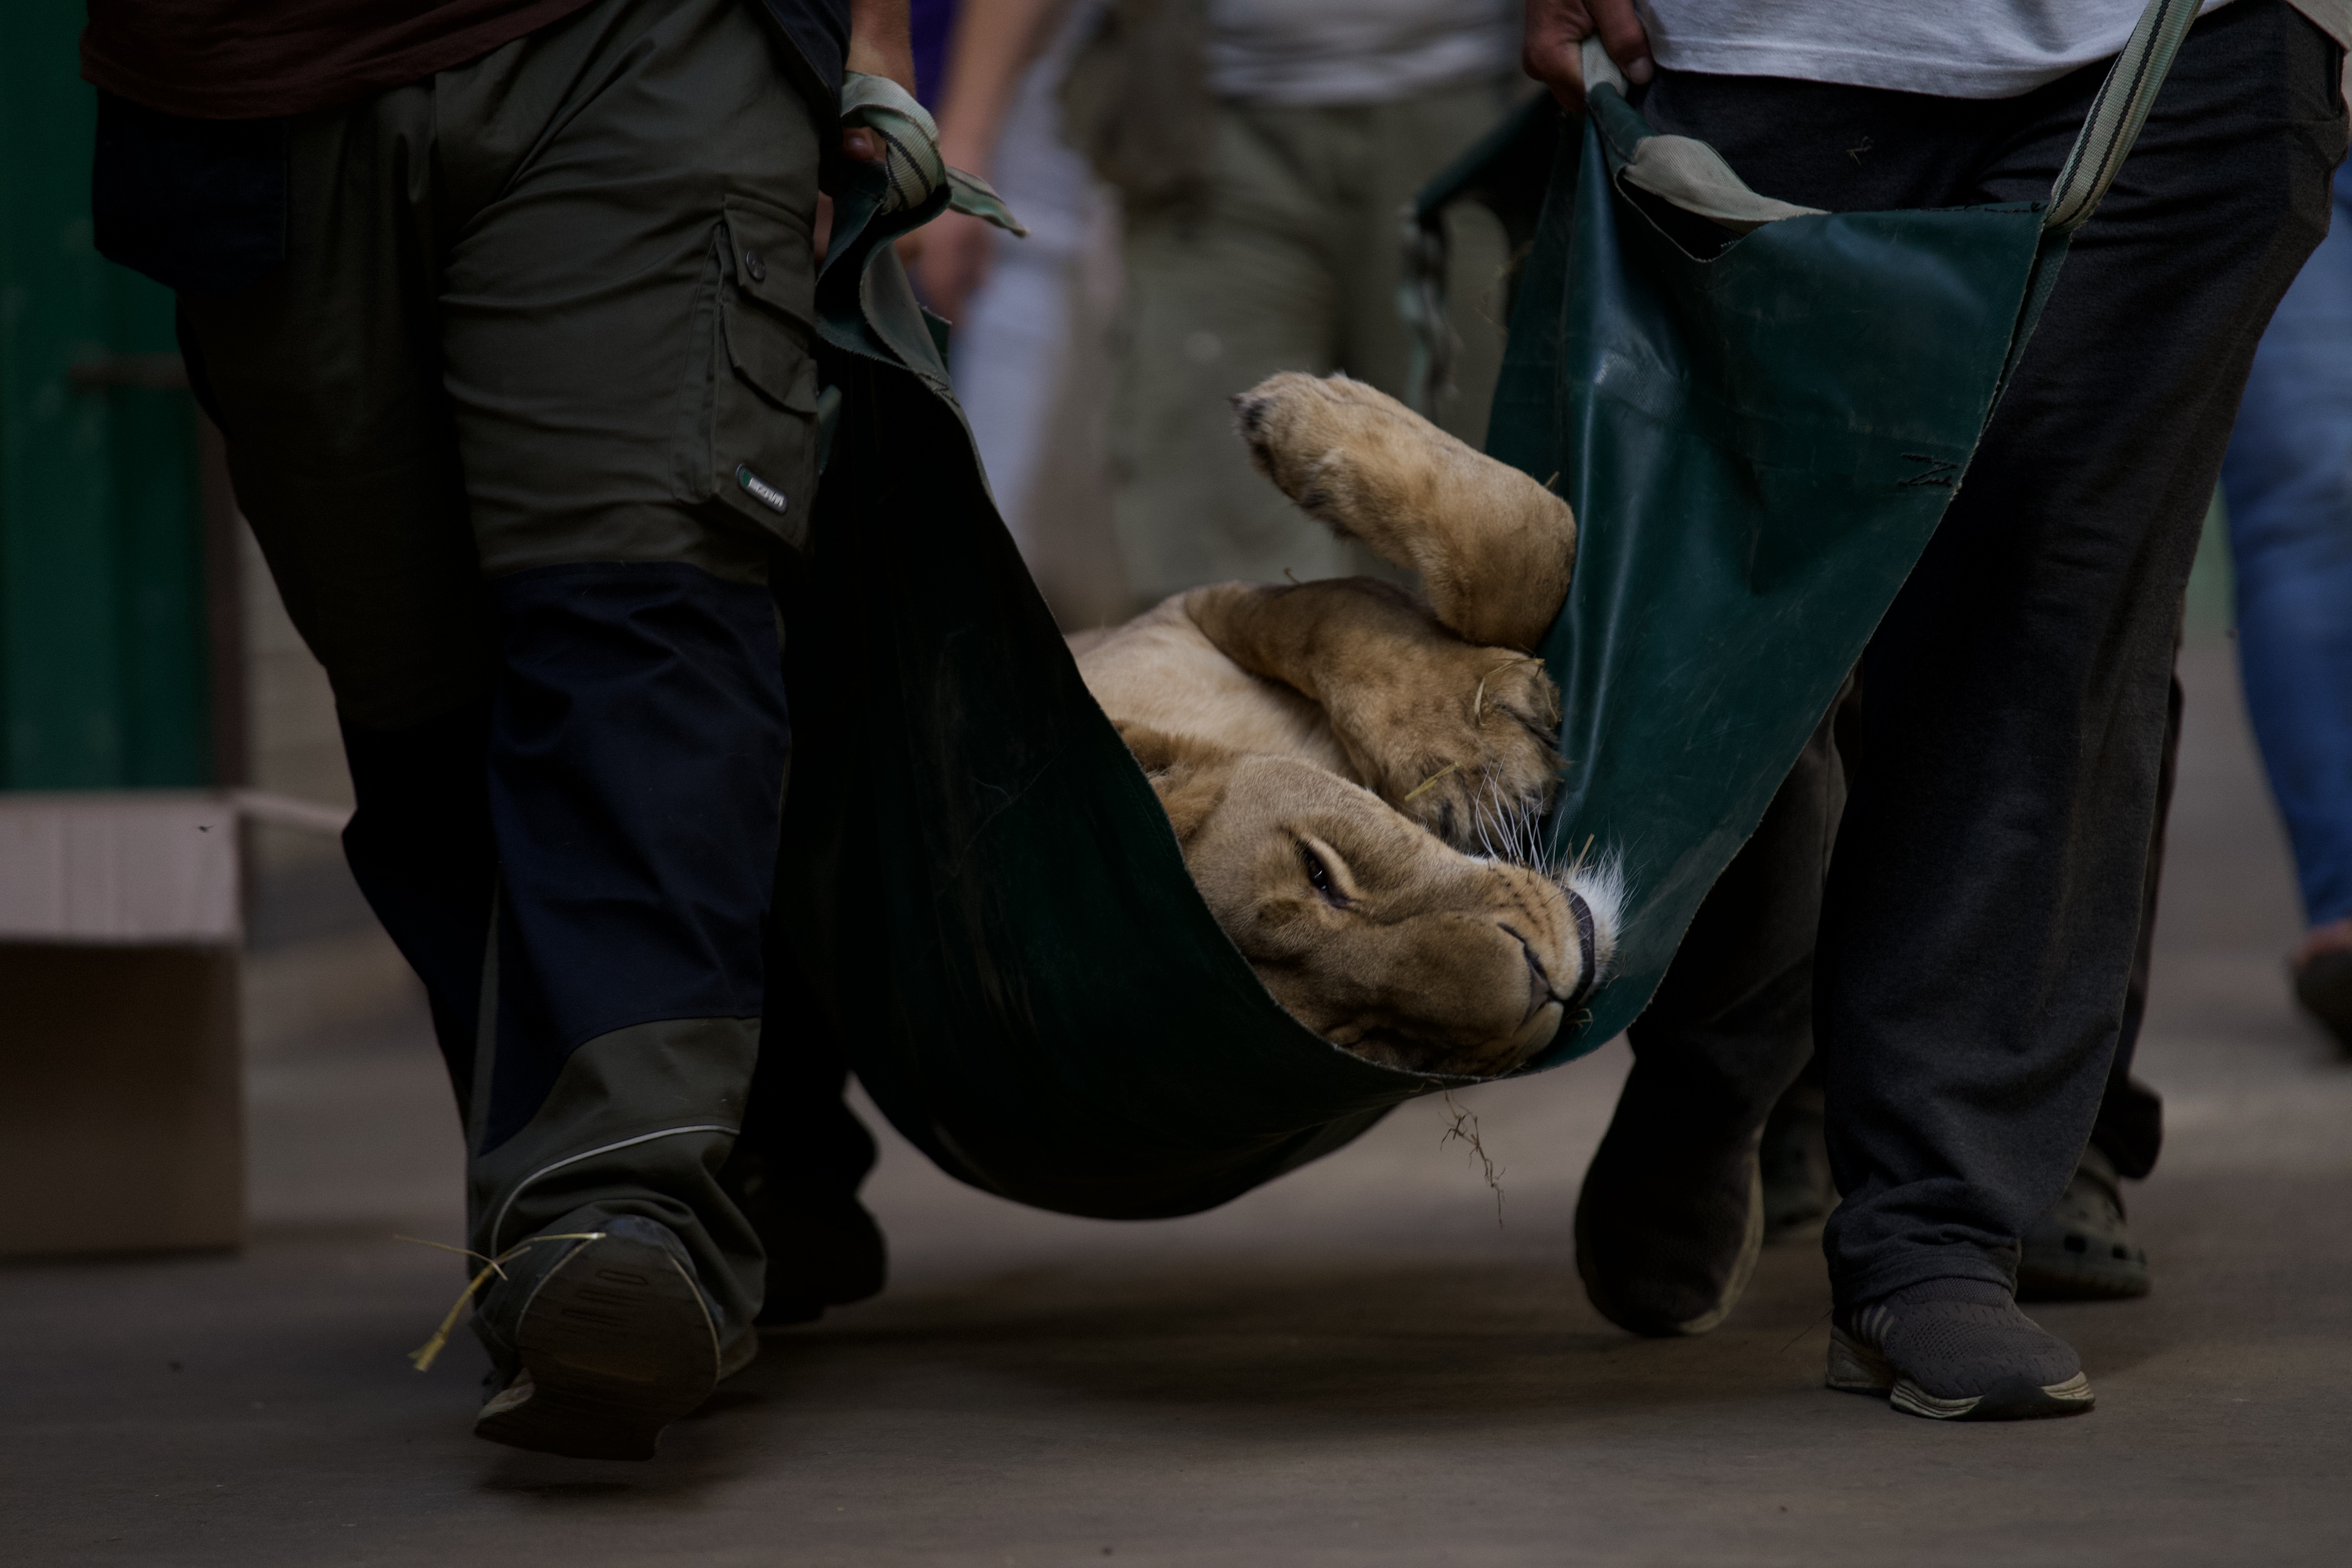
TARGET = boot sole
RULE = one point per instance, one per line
(615, 1344)
(1855, 1368)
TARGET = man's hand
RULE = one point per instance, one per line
(994, 42)
(880, 44)
(957, 250)
(1556, 29)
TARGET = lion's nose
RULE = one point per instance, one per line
(1541, 992)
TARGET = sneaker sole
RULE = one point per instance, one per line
(615, 1344)
(1855, 1368)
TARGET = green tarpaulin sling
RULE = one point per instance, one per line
(1759, 420)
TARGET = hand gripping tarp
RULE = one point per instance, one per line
(1758, 419)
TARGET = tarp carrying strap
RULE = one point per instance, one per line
(910, 152)
(2118, 112)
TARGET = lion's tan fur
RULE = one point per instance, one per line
(1348, 734)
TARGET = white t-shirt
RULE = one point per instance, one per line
(1952, 49)
(1357, 51)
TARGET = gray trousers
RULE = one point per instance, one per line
(1983, 904)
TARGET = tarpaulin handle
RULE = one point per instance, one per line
(1681, 170)
(1598, 69)
(910, 152)
(2109, 131)
(2118, 112)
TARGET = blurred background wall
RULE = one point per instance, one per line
(108, 622)
(146, 672)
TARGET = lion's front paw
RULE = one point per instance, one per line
(1346, 453)
(1494, 548)
(1468, 753)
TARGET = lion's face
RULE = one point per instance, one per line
(1373, 932)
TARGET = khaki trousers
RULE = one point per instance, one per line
(1292, 262)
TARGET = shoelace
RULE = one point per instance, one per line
(422, 1355)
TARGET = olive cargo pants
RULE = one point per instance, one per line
(522, 424)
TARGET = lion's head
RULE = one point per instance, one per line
(1371, 930)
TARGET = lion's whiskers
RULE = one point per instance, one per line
(1513, 833)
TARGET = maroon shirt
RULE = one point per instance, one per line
(257, 59)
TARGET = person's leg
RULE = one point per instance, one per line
(325, 380)
(2288, 484)
(2129, 1131)
(2081, 1249)
(1865, 150)
(604, 227)
(1391, 150)
(1985, 899)
(1221, 295)
(1674, 1208)
(1795, 1159)
(800, 1160)
(1670, 1215)
(1986, 894)
(634, 456)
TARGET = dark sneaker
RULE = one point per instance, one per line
(2080, 1250)
(606, 1340)
(2323, 983)
(1957, 1350)
(1669, 1224)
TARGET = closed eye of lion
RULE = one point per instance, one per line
(1355, 771)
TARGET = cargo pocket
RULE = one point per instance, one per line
(755, 452)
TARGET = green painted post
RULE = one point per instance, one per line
(103, 679)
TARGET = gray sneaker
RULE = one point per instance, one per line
(2080, 1250)
(1956, 1350)
(604, 1341)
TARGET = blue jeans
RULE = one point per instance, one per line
(2288, 483)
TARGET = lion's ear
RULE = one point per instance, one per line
(1188, 775)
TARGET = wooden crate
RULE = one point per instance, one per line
(121, 1125)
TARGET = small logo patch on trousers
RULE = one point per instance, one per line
(761, 490)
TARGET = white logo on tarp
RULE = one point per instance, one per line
(761, 490)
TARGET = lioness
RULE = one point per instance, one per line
(1355, 772)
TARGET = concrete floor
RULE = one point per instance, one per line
(1358, 1364)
